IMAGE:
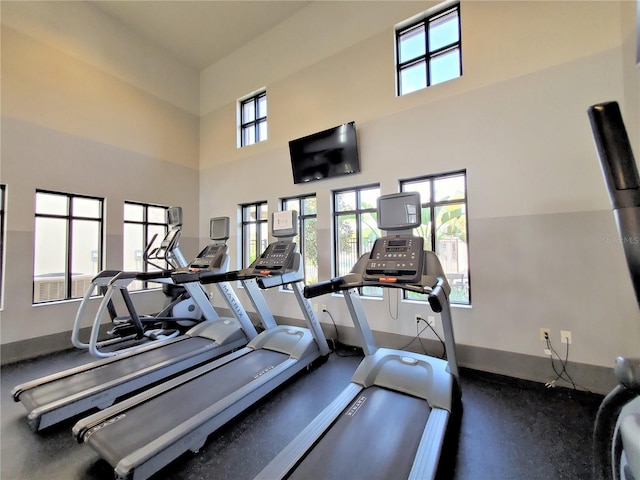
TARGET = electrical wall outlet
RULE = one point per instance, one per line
(544, 331)
(324, 308)
(565, 336)
(418, 317)
(431, 320)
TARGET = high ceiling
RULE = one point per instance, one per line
(200, 32)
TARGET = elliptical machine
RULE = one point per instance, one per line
(616, 435)
(179, 312)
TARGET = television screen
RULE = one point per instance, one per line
(325, 154)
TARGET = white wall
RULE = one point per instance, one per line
(88, 108)
(543, 239)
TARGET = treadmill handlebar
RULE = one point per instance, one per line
(148, 276)
(437, 295)
(322, 288)
(236, 275)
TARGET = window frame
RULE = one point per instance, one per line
(432, 204)
(303, 218)
(245, 260)
(146, 224)
(358, 212)
(68, 217)
(254, 126)
(428, 56)
(3, 200)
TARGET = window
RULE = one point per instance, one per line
(355, 228)
(67, 245)
(255, 231)
(308, 242)
(141, 222)
(2, 202)
(428, 51)
(253, 119)
(444, 226)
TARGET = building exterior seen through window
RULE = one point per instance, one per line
(255, 231)
(67, 245)
(307, 226)
(141, 222)
(445, 226)
(355, 228)
(429, 51)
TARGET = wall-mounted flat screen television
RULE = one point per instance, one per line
(330, 153)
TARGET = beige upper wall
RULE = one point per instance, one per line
(82, 31)
(50, 88)
(501, 41)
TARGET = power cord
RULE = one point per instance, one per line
(337, 347)
(562, 374)
(418, 337)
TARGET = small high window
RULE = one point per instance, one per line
(428, 51)
(253, 119)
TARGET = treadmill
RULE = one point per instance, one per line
(391, 420)
(140, 435)
(616, 435)
(54, 398)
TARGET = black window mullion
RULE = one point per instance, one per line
(67, 275)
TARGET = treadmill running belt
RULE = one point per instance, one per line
(59, 389)
(149, 420)
(376, 437)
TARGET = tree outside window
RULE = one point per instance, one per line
(444, 227)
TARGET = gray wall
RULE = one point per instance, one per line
(87, 108)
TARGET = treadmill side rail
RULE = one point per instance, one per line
(425, 464)
(286, 460)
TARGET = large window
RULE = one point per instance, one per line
(355, 228)
(141, 222)
(444, 226)
(2, 210)
(308, 241)
(67, 245)
(253, 119)
(255, 231)
(428, 51)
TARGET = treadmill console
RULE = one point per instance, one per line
(210, 257)
(275, 258)
(396, 259)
